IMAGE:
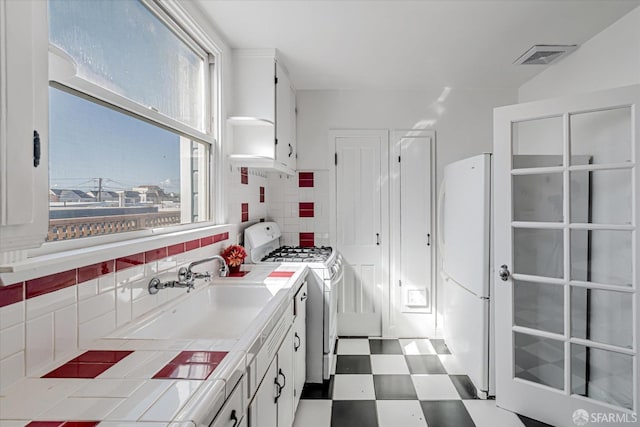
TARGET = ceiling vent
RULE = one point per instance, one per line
(544, 54)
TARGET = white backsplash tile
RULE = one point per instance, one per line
(96, 306)
(11, 340)
(65, 331)
(11, 369)
(50, 302)
(87, 289)
(106, 282)
(40, 342)
(12, 314)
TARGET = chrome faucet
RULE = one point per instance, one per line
(187, 278)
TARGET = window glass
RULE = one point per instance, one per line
(125, 48)
(112, 173)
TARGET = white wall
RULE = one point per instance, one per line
(609, 59)
(463, 123)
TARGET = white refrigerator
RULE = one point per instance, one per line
(465, 245)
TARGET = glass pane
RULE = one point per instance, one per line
(537, 197)
(601, 256)
(538, 252)
(602, 375)
(111, 173)
(603, 136)
(602, 316)
(538, 306)
(537, 143)
(602, 197)
(540, 360)
(123, 47)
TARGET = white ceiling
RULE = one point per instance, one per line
(344, 44)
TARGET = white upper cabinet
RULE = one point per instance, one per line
(23, 128)
(262, 123)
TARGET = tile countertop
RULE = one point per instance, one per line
(126, 391)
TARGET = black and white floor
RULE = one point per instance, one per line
(399, 383)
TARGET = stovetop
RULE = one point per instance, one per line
(299, 254)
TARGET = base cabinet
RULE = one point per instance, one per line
(299, 344)
(273, 403)
(263, 410)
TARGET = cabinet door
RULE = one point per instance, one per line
(293, 159)
(23, 90)
(263, 411)
(286, 380)
(283, 117)
(300, 343)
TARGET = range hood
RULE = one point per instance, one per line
(268, 164)
(254, 144)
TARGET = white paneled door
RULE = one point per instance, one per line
(360, 234)
(410, 303)
(566, 212)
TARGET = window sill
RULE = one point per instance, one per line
(51, 263)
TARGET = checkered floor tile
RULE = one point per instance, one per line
(393, 383)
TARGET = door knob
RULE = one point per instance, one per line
(504, 272)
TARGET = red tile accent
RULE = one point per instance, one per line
(306, 210)
(155, 254)
(192, 244)
(218, 238)
(101, 356)
(305, 179)
(206, 241)
(51, 283)
(244, 208)
(90, 364)
(92, 271)
(261, 194)
(192, 365)
(276, 274)
(225, 235)
(208, 357)
(129, 261)
(307, 239)
(175, 249)
(244, 175)
(78, 370)
(191, 371)
(11, 294)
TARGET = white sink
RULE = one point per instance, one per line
(220, 311)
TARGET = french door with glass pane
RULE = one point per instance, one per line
(566, 258)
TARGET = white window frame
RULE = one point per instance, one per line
(62, 75)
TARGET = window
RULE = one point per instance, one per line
(130, 144)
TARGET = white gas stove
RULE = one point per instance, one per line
(262, 242)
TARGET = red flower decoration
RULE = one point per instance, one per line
(234, 255)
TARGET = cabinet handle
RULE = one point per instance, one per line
(296, 347)
(303, 296)
(284, 379)
(378, 239)
(428, 239)
(279, 389)
(290, 150)
(234, 418)
(36, 149)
